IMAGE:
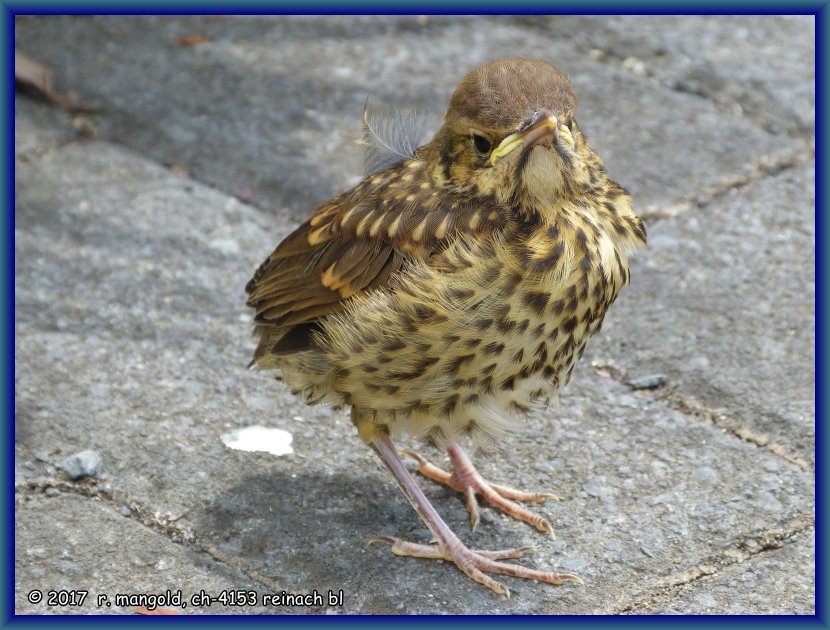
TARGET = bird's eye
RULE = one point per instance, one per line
(482, 144)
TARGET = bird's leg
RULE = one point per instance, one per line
(467, 480)
(476, 564)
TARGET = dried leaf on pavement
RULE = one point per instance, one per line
(36, 76)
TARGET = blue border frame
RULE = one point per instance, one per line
(7, 356)
(8, 346)
(11, 9)
(821, 379)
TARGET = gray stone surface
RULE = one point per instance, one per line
(132, 335)
(282, 96)
(74, 544)
(751, 66)
(732, 288)
(745, 586)
(83, 464)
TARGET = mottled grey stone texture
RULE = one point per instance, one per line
(137, 227)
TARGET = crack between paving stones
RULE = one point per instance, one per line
(745, 548)
(89, 488)
(719, 418)
(765, 167)
(161, 524)
(239, 565)
(33, 157)
(762, 169)
(732, 106)
(28, 159)
(689, 406)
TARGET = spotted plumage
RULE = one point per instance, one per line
(452, 293)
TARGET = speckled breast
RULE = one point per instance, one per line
(466, 345)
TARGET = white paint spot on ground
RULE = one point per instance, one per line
(259, 438)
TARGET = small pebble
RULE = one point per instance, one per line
(52, 492)
(652, 381)
(125, 511)
(83, 464)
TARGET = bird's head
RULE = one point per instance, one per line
(509, 134)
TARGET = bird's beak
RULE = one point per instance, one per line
(536, 130)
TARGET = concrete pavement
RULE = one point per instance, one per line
(137, 228)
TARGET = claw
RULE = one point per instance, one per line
(477, 563)
(466, 479)
(414, 455)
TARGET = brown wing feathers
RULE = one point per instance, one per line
(353, 243)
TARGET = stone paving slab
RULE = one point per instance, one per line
(139, 321)
(646, 494)
(132, 333)
(282, 97)
(147, 369)
(737, 61)
(731, 287)
(71, 544)
(787, 565)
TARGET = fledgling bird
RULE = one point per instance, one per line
(452, 293)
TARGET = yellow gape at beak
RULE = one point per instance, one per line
(548, 125)
(566, 134)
